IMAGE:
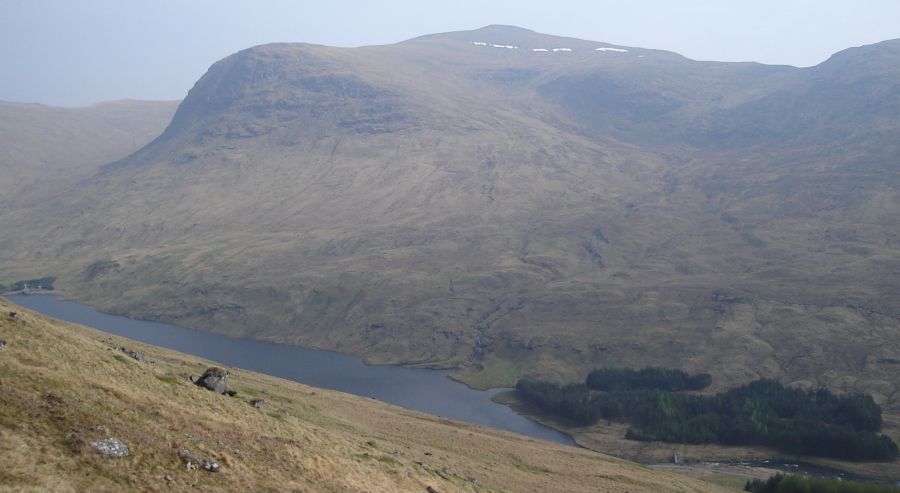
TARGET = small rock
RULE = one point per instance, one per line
(134, 354)
(15, 315)
(52, 399)
(2, 343)
(427, 453)
(110, 447)
(191, 459)
(431, 490)
(168, 478)
(258, 403)
(230, 392)
(215, 379)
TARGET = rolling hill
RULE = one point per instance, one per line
(510, 203)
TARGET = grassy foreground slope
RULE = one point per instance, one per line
(65, 385)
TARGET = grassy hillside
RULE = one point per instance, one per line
(65, 386)
(447, 202)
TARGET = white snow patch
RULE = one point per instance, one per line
(562, 49)
(620, 50)
(509, 47)
(540, 49)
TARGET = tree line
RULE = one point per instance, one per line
(781, 483)
(673, 380)
(763, 412)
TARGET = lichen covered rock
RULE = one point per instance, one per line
(110, 447)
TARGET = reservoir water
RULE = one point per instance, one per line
(423, 390)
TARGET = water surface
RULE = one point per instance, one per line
(423, 390)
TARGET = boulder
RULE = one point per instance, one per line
(258, 403)
(215, 379)
(110, 447)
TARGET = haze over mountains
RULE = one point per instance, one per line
(41, 143)
(447, 202)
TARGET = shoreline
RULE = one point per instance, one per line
(563, 438)
(40, 292)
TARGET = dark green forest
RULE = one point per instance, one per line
(607, 379)
(781, 483)
(764, 412)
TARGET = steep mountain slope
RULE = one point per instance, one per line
(66, 386)
(42, 143)
(489, 199)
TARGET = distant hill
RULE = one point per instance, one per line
(513, 203)
(45, 143)
(66, 387)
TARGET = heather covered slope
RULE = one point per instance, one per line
(65, 386)
(447, 202)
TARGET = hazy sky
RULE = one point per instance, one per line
(74, 52)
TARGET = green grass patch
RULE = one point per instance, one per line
(384, 459)
(494, 372)
(169, 379)
(507, 398)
